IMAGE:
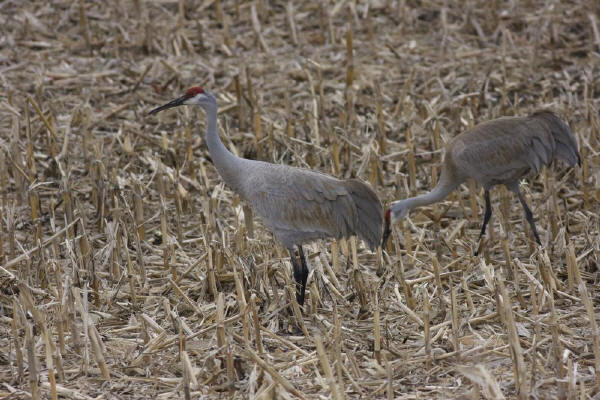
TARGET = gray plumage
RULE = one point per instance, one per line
(503, 150)
(500, 151)
(300, 206)
(297, 205)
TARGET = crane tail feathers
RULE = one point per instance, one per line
(369, 212)
(565, 147)
(567, 154)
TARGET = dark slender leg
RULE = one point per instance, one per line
(488, 213)
(486, 217)
(529, 216)
(304, 273)
(297, 276)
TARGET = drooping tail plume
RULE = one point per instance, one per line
(566, 146)
(368, 210)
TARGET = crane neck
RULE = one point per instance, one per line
(226, 163)
(438, 193)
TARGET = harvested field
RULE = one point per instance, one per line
(129, 271)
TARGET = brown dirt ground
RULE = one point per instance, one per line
(131, 272)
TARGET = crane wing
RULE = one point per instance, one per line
(301, 201)
(503, 150)
(301, 205)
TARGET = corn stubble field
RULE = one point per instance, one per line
(130, 272)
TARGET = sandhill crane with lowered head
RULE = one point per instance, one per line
(296, 204)
(500, 151)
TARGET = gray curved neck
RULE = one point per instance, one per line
(439, 193)
(227, 164)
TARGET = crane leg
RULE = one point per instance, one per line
(529, 216)
(488, 213)
(304, 273)
(486, 217)
(298, 274)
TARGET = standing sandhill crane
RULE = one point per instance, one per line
(500, 151)
(296, 204)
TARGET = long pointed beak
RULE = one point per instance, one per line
(173, 103)
(386, 234)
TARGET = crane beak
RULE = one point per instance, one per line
(174, 103)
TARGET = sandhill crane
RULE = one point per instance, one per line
(500, 151)
(296, 204)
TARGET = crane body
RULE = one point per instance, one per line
(500, 151)
(297, 205)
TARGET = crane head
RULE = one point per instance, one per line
(395, 213)
(386, 230)
(194, 95)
